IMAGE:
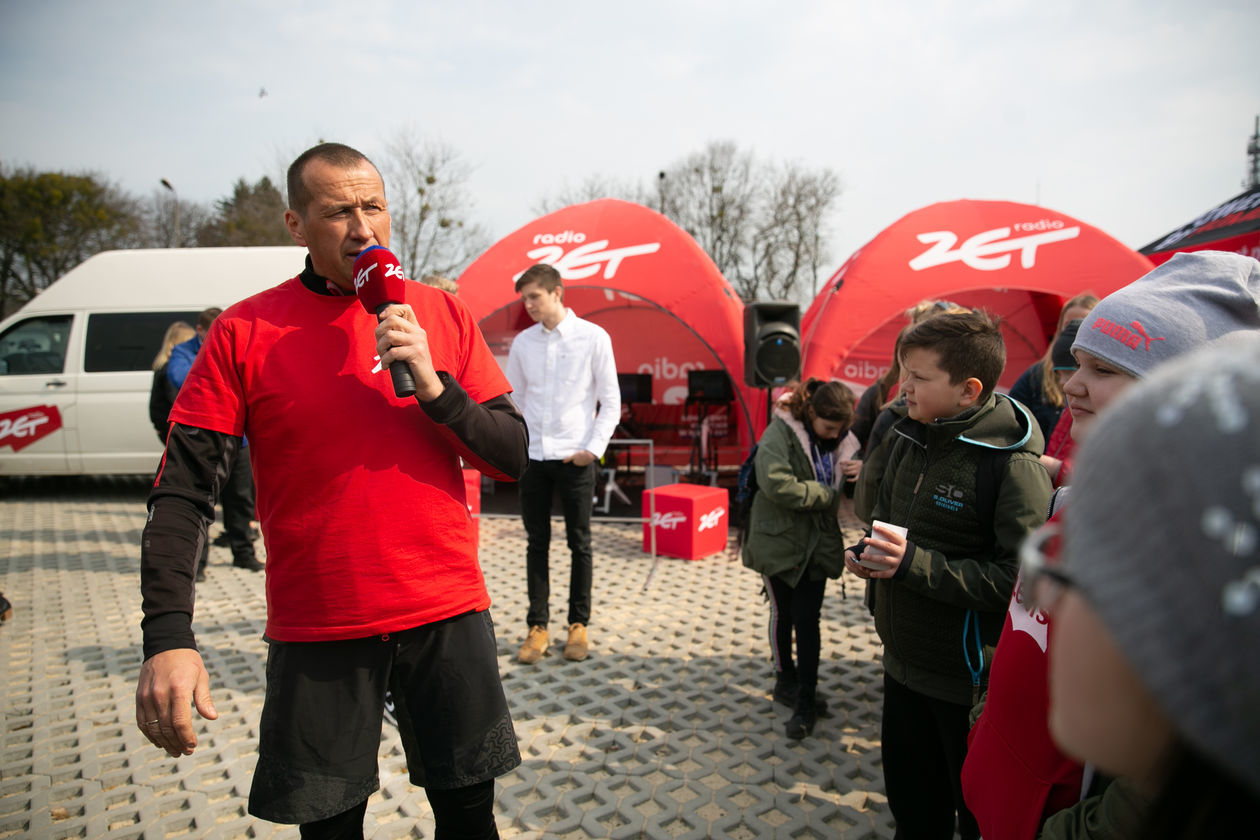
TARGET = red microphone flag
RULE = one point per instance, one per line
(378, 279)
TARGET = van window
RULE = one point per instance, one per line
(35, 345)
(118, 341)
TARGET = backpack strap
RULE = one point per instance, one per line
(745, 490)
(989, 469)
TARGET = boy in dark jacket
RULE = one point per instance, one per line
(963, 477)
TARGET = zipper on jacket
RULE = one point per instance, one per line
(918, 484)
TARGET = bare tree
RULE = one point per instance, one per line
(761, 224)
(169, 221)
(162, 211)
(594, 187)
(714, 195)
(789, 246)
(429, 203)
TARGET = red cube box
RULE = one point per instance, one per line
(690, 520)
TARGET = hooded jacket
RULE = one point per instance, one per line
(958, 557)
(793, 529)
(876, 460)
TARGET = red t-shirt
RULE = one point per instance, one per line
(360, 499)
(1015, 776)
(1062, 446)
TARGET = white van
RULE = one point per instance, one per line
(76, 362)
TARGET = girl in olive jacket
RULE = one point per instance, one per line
(794, 538)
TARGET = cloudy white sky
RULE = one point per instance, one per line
(1131, 116)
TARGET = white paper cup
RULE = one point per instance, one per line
(872, 551)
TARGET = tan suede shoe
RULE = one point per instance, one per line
(535, 646)
(577, 647)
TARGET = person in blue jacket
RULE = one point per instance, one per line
(238, 490)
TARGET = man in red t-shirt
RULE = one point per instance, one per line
(373, 582)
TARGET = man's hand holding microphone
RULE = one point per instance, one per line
(401, 342)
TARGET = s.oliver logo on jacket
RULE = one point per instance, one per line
(949, 497)
(19, 429)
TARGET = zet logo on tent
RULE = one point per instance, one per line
(992, 249)
(586, 259)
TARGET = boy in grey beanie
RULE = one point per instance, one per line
(1186, 302)
(1189, 300)
(1154, 671)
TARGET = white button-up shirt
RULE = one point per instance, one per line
(558, 376)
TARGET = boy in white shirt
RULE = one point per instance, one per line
(564, 381)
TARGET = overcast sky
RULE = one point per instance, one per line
(1131, 116)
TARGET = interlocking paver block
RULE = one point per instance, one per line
(667, 730)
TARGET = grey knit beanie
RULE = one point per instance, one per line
(1163, 539)
(1188, 301)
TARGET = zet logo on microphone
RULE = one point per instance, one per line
(361, 279)
(363, 275)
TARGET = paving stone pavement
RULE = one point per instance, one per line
(666, 731)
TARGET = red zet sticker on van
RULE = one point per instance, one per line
(19, 429)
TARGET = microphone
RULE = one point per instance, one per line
(379, 282)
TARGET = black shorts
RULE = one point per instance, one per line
(321, 721)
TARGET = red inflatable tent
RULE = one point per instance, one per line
(1018, 261)
(664, 303)
(1232, 226)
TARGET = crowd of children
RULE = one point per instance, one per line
(1084, 694)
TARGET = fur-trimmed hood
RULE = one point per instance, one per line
(802, 437)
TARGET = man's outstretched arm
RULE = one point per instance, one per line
(173, 677)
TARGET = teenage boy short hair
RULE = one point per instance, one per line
(546, 276)
(968, 344)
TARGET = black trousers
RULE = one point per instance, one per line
(924, 744)
(465, 813)
(576, 487)
(796, 608)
